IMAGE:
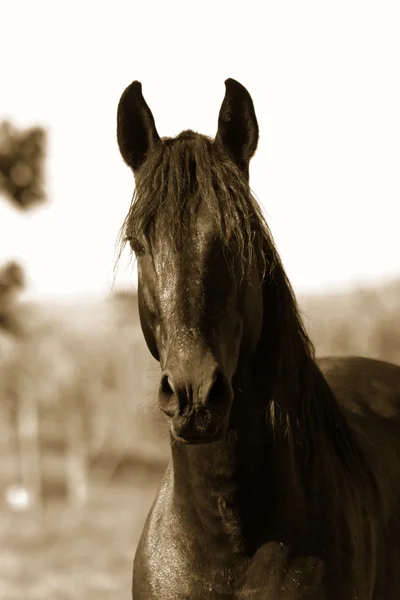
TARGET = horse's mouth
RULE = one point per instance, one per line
(196, 436)
(197, 439)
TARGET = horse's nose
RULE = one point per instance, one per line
(196, 403)
(198, 392)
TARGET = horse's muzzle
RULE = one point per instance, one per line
(197, 406)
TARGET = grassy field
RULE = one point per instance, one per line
(73, 554)
(90, 358)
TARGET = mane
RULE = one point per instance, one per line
(179, 174)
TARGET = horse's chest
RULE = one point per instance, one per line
(169, 565)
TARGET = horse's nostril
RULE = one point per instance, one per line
(169, 403)
(219, 391)
(166, 385)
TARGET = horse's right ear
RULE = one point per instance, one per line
(136, 130)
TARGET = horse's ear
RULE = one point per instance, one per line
(136, 130)
(237, 124)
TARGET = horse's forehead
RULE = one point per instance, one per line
(181, 275)
(196, 239)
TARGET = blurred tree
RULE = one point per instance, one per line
(22, 156)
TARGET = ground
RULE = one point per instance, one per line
(74, 555)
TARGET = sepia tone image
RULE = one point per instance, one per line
(199, 301)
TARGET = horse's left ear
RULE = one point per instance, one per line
(136, 129)
(237, 124)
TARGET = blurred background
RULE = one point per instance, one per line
(83, 446)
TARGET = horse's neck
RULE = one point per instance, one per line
(243, 491)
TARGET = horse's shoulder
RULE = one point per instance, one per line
(364, 385)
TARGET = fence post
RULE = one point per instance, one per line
(76, 455)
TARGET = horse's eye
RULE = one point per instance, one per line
(136, 246)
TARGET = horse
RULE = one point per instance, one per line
(284, 475)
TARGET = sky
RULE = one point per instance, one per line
(324, 78)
